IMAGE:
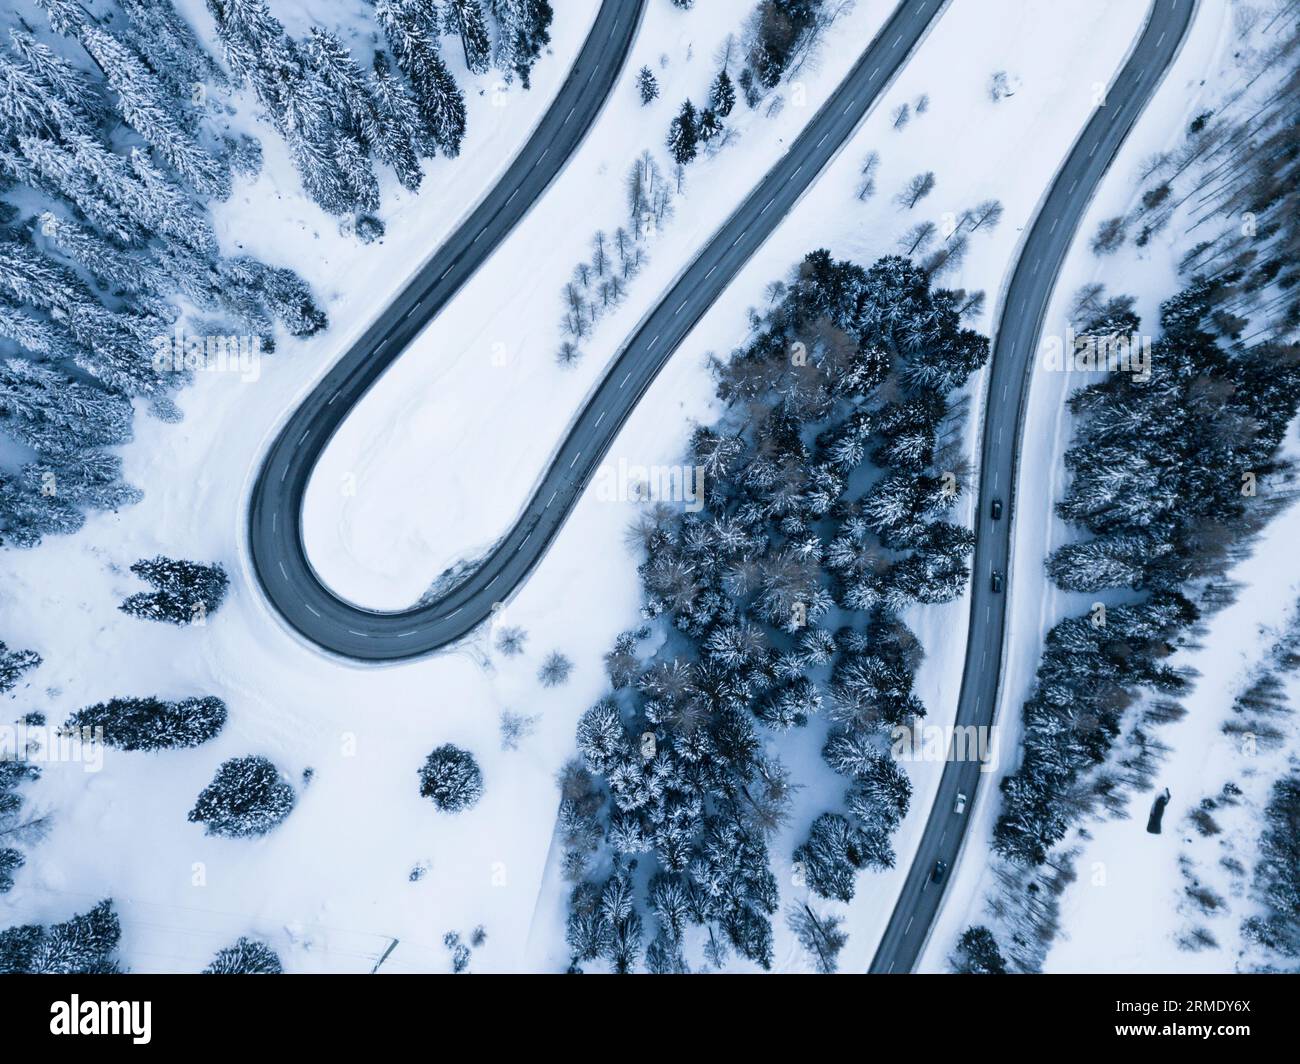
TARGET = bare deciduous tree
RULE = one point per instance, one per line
(916, 190)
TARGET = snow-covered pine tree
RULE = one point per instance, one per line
(348, 95)
(148, 108)
(411, 28)
(144, 191)
(523, 30)
(250, 36)
(106, 263)
(169, 45)
(81, 478)
(393, 125)
(41, 337)
(451, 778)
(11, 860)
(710, 125)
(722, 94)
(55, 415)
(683, 135)
(13, 663)
(185, 592)
(647, 85)
(290, 300)
(355, 167)
(246, 797)
(152, 724)
(831, 857)
(70, 100)
(26, 516)
(50, 167)
(83, 945)
(465, 18)
(978, 953)
(246, 957)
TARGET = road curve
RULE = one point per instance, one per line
(275, 541)
(275, 509)
(1024, 309)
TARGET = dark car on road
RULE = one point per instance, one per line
(939, 870)
(996, 581)
(995, 511)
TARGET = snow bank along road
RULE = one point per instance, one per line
(275, 509)
(1015, 343)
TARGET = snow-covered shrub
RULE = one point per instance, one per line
(451, 777)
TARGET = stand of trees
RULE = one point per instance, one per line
(1277, 872)
(119, 157)
(13, 828)
(779, 29)
(15, 770)
(823, 517)
(151, 723)
(1164, 471)
(117, 144)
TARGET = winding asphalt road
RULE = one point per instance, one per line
(1023, 311)
(275, 509)
(275, 506)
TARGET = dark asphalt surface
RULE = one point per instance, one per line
(275, 508)
(1015, 345)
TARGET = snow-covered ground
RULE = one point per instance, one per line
(445, 451)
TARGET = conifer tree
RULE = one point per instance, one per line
(152, 724)
(247, 797)
(185, 592)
